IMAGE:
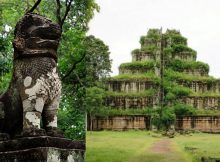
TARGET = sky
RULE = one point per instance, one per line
(120, 23)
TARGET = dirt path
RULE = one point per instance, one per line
(163, 150)
(161, 147)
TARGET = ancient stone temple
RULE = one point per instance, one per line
(163, 59)
(28, 109)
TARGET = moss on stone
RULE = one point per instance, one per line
(139, 65)
(146, 93)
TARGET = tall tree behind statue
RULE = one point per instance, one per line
(70, 51)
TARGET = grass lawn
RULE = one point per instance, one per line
(144, 146)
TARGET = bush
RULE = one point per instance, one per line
(164, 118)
(183, 109)
(138, 65)
(179, 65)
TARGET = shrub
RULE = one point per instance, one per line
(183, 109)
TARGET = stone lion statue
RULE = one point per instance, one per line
(29, 107)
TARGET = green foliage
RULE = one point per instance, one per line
(72, 48)
(136, 51)
(205, 94)
(168, 51)
(109, 111)
(174, 37)
(4, 82)
(177, 76)
(153, 35)
(177, 48)
(175, 91)
(71, 115)
(135, 77)
(179, 65)
(139, 65)
(149, 92)
(183, 109)
(205, 112)
(163, 118)
(97, 61)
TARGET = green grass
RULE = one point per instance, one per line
(205, 144)
(136, 77)
(136, 146)
(109, 146)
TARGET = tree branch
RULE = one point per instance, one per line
(68, 6)
(58, 12)
(34, 7)
(73, 67)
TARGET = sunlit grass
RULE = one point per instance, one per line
(135, 146)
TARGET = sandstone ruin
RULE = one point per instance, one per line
(185, 81)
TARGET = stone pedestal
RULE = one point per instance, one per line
(41, 149)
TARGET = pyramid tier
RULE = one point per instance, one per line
(137, 67)
(140, 55)
(201, 86)
(189, 67)
(195, 72)
(203, 102)
(130, 86)
(185, 56)
(130, 101)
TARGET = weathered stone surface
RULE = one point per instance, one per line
(143, 56)
(121, 122)
(35, 88)
(195, 72)
(210, 124)
(130, 102)
(45, 149)
(185, 56)
(130, 86)
(199, 102)
(134, 71)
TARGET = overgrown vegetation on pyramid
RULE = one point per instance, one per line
(187, 87)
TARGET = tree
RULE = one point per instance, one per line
(74, 27)
(94, 102)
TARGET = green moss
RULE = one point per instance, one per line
(146, 93)
(179, 65)
(205, 94)
(108, 111)
(139, 65)
(175, 37)
(153, 35)
(177, 76)
(136, 51)
(134, 77)
(207, 112)
(177, 48)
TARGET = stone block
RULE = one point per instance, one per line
(42, 149)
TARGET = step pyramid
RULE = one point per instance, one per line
(185, 79)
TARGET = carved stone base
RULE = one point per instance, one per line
(42, 149)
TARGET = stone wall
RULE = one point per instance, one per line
(142, 56)
(199, 86)
(129, 86)
(187, 56)
(130, 102)
(121, 122)
(211, 103)
(210, 124)
(196, 72)
(134, 71)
